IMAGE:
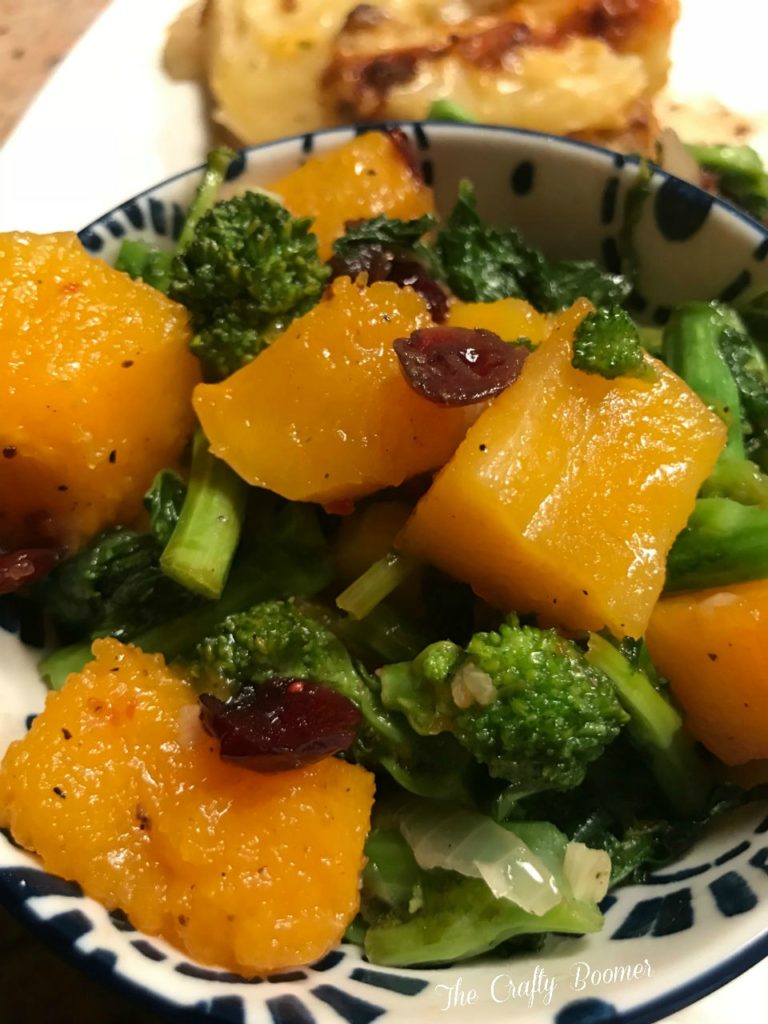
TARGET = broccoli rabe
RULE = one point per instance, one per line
(285, 553)
(740, 173)
(607, 342)
(200, 548)
(417, 916)
(274, 638)
(113, 585)
(482, 263)
(696, 340)
(145, 262)
(655, 728)
(248, 269)
(523, 701)
(723, 542)
(164, 501)
(619, 808)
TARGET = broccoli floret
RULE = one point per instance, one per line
(274, 638)
(249, 268)
(607, 342)
(521, 700)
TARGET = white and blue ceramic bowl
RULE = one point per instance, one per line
(693, 926)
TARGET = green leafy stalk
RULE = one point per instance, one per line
(200, 550)
(724, 542)
(214, 175)
(285, 555)
(740, 173)
(435, 916)
(447, 110)
(145, 262)
(656, 729)
(696, 340)
(376, 583)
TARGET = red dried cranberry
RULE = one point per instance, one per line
(410, 273)
(459, 365)
(280, 724)
(19, 568)
(398, 72)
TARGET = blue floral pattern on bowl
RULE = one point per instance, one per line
(692, 926)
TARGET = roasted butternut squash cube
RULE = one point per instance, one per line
(95, 387)
(568, 491)
(367, 176)
(511, 319)
(711, 646)
(324, 414)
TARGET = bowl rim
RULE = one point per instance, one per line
(449, 127)
(654, 1009)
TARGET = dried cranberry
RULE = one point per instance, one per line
(18, 568)
(459, 365)
(399, 72)
(412, 274)
(381, 264)
(280, 724)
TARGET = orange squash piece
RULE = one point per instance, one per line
(711, 646)
(509, 318)
(324, 414)
(118, 787)
(568, 491)
(95, 386)
(367, 176)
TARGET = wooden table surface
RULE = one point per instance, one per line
(34, 36)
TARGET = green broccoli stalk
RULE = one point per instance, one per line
(434, 916)
(740, 173)
(607, 342)
(523, 701)
(447, 110)
(146, 262)
(274, 638)
(656, 729)
(375, 584)
(695, 342)
(164, 501)
(201, 547)
(247, 270)
(724, 542)
(214, 175)
(284, 554)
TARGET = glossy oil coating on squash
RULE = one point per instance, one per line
(365, 177)
(712, 647)
(511, 319)
(324, 414)
(118, 787)
(95, 385)
(567, 493)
